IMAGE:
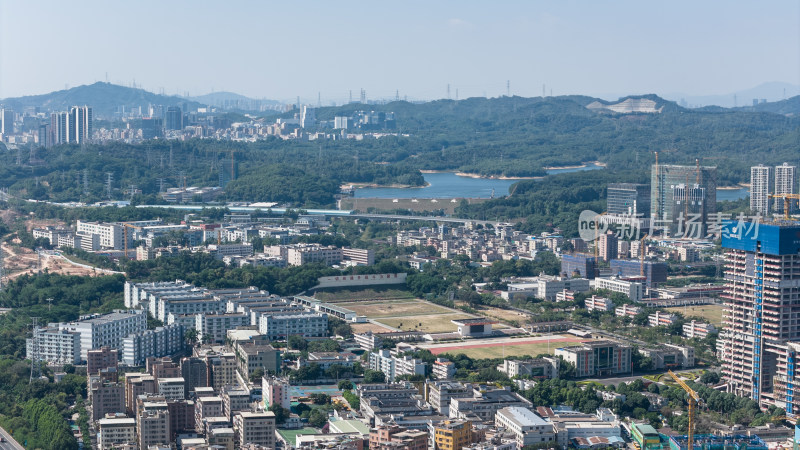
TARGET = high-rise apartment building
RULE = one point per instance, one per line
(761, 340)
(80, 124)
(784, 184)
(682, 197)
(607, 246)
(760, 188)
(173, 118)
(628, 198)
(6, 121)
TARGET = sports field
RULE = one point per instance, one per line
(436, 323)
(375, 310)
(498, 348)
(392, 292)
(712, 313)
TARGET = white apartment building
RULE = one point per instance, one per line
(111, 234)
(528, 427)
(138, 293)
(281, 326)
(158, 342)
(627, 310)
(393, 366)
(760, 188)
(172, 388)
(633, 289)
(358, 256)
(443, 369)
(117, 431)
(785, 179)
(254, 428)
(213, 327)
(548, 286)
(199, 304)
(660, 318)
(695, 329)
(55, 346)
(107, 330)
(595, 303)
(300, 254)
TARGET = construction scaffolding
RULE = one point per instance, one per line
(712, 442)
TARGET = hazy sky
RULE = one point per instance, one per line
(284, 49)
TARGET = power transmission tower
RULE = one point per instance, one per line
(160, 185)
(2, 267)
(19, 156)
(133, 188)
(85, 182)
(36, 370)
(49, 303)
(109, 179)
(170, 158)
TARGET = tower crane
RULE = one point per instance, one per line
(693, 399)
(787, 202)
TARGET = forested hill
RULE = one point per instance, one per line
(104, 98)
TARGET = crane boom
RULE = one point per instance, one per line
(693, 400)
(787, 198)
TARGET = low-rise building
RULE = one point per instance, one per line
(660, 318)
(172, 388)
(275, 391)
(452, 434)
(598, 358)
(484, 404)
(395, 365)
(542, 368)
(443, 369)
(602, 304)
(255, 428)
(699, 330)
(106, 330)
(281, 326)
(529, 428)
(114, 432)
(393, 437)
(212, 327)
(627, 311)
(633, 289)
(54, 346)
(158, 342)
(441, 392)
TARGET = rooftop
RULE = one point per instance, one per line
(523, 417)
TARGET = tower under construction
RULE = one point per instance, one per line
(761, 341)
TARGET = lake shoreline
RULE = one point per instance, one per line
(379, 186)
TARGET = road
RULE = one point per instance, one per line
(10, 443)
(325, 212)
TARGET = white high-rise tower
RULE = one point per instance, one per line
(760, 188)
(784, 183)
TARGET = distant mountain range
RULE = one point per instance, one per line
(771, 92)
(107, 98)
(227, 99)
